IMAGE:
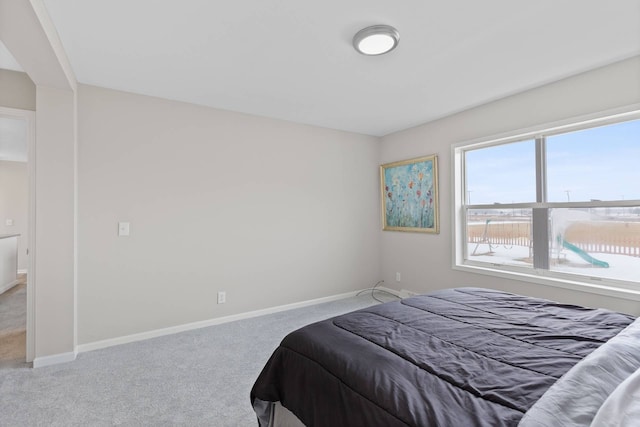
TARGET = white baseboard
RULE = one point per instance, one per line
(5, 288)
(96, 345)
(391, 291)
(54, 359)
(23, 271)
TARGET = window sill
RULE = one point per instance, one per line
(604, 288)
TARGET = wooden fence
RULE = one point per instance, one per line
(605, 237)
(622, 247)
(613, 237)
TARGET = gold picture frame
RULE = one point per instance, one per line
(409, 194)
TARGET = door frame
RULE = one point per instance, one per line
(30, 117)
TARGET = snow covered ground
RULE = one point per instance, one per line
(621, 267)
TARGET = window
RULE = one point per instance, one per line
(560, 204)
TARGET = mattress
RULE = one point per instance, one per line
(455, 357)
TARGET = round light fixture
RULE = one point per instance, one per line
(376, 40)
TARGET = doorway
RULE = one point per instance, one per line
(17, 220)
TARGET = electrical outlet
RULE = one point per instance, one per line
(222, 297)
(123, 229)
(398, 277)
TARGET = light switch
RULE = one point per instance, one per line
(123, 229)
(8, 222)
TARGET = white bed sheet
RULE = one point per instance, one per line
(575, 399)
(622, 407)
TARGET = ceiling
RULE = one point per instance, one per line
(293, 60)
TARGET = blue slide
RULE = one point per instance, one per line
(585, 256)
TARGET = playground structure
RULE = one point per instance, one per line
(584, 255)
(483, 240)
(500, 233)
(561, 220)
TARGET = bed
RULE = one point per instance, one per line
(455, 357)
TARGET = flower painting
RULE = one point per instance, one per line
(410, 195)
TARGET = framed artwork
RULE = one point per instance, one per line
(409, 192)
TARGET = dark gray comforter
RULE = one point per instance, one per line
(457, 357)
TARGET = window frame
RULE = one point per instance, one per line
(544, 276)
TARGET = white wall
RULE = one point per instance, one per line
(55, 223)
(8, 261)
(425, 260)
(27, 31)
(269, 211)
(17, 90)
(14, 193)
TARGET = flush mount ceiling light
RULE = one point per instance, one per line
(376, 40)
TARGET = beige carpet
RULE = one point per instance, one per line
(13, 321)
